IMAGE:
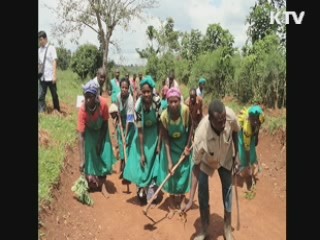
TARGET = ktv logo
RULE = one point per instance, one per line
(284, 17)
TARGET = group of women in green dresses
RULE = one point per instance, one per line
(152, 134)
(141, 123)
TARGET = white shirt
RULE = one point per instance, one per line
(199, 93)
(175, 83)
(50, 57)
(127, 105)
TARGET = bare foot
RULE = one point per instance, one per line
(153, 205)
(104, 191)
(183, 203)
(171, 213)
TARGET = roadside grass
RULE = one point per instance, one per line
(61, 133)
(275, 124)
(275, 120)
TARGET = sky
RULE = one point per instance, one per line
(187, 15)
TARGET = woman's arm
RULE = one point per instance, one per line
(81, 151)
(194, 184)
(166, 141)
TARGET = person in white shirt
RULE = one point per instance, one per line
(171, 81)
(47, 55)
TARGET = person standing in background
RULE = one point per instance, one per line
(194, 103)
(200, 90)
(134, 87)
(114, 87)
(100, 79)
(47, 55)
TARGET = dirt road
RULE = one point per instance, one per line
(120, 217)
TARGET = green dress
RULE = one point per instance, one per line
(97, 165)
(242, 152)
(143, 176)
(164, 104)
(247, 139)
(123, 115)
(115, 90)
(178, 133)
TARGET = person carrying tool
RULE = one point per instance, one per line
(96, 154)
(250, 120)
(143, 158)
(176, 134)
(126, 126)
(215, 147)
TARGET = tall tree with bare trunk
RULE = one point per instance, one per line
(101, 16)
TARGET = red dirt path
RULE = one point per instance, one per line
(120, 216)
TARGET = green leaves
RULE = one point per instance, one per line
(80, 188)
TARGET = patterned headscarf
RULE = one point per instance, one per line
(90, 87)
(148, 80)
(173, 92)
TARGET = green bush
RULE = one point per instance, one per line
(86, 60)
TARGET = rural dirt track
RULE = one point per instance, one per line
(120, 217)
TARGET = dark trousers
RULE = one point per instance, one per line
(43, 86)
(203, 192)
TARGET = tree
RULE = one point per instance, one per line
(191, 45)
(259, 20)
(64, 58)
(217, 37)
(225, 70)
(161, 41)
(86, 60)
(262, 77)
(101, 16)
(149, 51)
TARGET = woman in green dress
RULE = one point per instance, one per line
(143, 159)
(127, 128)
(175, 133)
(96, 154)
(250, 120)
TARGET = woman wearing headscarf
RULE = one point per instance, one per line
(96, 154)
(126, 110)
(175, 133)
(250, 120)
(142, 160)
(200, 90)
